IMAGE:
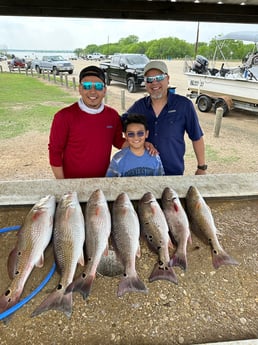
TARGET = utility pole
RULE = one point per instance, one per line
(197, 39)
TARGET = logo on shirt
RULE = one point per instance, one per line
(140, 171)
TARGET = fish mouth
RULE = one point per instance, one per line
(148, 198)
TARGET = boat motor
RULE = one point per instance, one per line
(200, 65)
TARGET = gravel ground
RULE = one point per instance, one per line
(207, 305)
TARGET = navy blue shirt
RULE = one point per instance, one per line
(166, 131)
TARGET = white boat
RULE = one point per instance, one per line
(229, 87)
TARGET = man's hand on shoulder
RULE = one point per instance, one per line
(150, 148)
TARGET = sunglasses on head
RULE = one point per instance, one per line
(133, 134)
(159, 77)
(87, 85)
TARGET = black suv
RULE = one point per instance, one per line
(127, 69)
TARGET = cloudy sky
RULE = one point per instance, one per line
(33, 33)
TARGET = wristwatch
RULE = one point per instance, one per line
(202, 167)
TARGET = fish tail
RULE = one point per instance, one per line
(82, 284)
(56, 300)
(222, 258)
(179, 259)
(163, 273)
(131, 284)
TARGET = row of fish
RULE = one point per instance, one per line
(159, 225)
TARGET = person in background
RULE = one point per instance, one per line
(12, 62)
(169, 116)
(82, 134)
(135, 160)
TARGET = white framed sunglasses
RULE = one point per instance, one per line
(159, 77)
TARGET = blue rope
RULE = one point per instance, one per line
(10, 228)
(20, 304)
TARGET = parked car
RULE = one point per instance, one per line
(16, 63)
(95, 56)
(54, 64)
(127, 69)
(3, 58)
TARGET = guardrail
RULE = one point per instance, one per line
(61, 79)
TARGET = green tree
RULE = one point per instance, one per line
(173, 48)
(128, 40)
(79, 52)
(92, 48)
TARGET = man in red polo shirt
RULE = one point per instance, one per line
(83, 133)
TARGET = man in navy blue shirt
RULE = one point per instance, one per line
(169, 116)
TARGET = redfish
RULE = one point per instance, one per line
(202, 223)
(68, 240)
(125, 235)
(33, 238)
(98, 228)
(155, 230)
(178, 226)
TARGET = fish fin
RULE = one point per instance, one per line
(131, 284)
(57, 300)
(179, 259)
(138, 253)
(160, 273)
(172, 241)
(12, 263)
(222, 258)
(176, 208)
(190, 238)
(82, 284)
(40, 262)
(170, 244)
(106, 251)
(198, 205)
(36, 214)
(81, 260)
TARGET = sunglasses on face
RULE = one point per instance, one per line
(159, 77)
(87, 85)
(133, 134)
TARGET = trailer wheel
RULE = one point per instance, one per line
(221, 103)
(204, 103)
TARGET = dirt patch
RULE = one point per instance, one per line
(207, 305)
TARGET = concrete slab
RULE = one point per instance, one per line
(27, 192)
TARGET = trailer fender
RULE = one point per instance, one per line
(225, 103)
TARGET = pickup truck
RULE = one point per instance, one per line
(54, 64)
(127, 69)
(95, 56)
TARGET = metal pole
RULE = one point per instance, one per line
(197, 40)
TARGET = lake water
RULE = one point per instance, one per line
(37, 54)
